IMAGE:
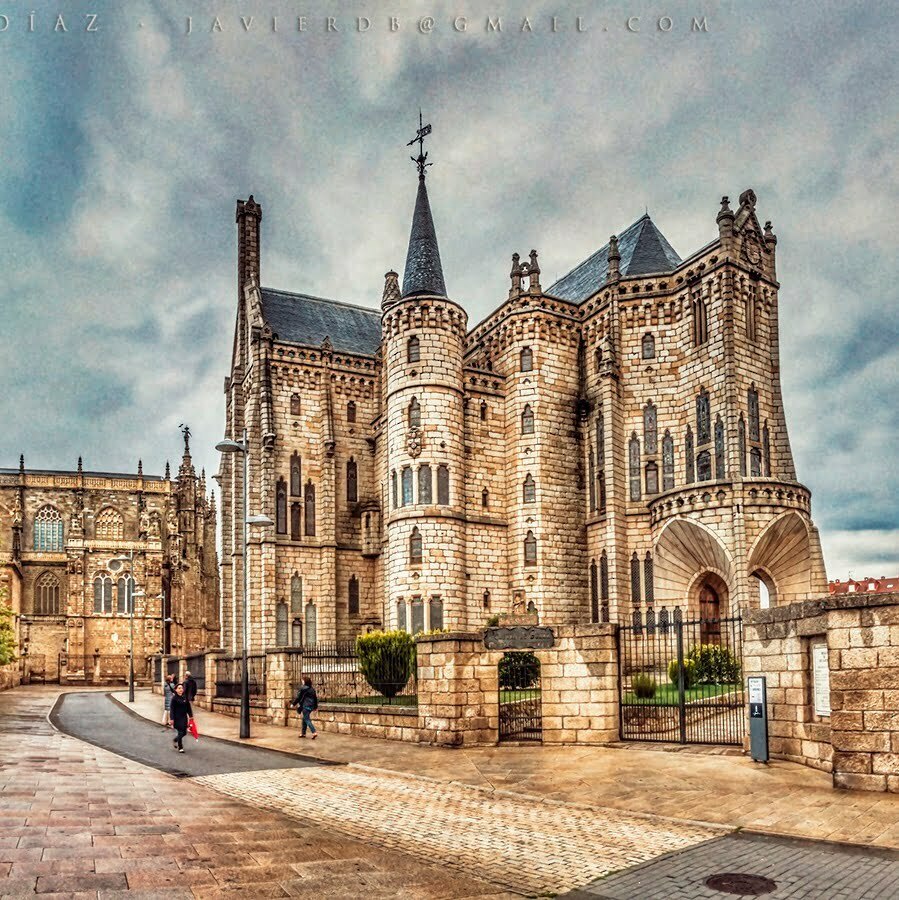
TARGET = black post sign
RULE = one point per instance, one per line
(758, 718)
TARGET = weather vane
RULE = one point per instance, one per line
(421, 161)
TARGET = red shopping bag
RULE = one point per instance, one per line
(192, 729)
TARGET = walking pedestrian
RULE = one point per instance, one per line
(190, 687)
(306, 703)
(168, 689)
(182, 713)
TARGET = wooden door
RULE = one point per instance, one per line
(709, 614)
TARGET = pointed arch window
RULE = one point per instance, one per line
(700, 318)
(352, 481)
(529, 489)
(633, 455)
(125, 595)
(752, 402)
(351, 411)
(416, 551)
(591, 465)
(689, 476)
(766, 450)
(600, 437)
(393, 492)
(296, 475)
(597, 359)
(414, 413)
(435, 613)
(406, 485)
(109, 525)
(48, 534)
(311, 624)
(309, 503)
(425, 484)
(755, 462)
(296, 631)
(648, 582)
(401, 614)
(281, 630)
(601, 488)
(46, 595)
(296, 519)
(604, 577)
(667, 461)
(527, 420)
(418, 615)
(296, 595)
(635, 579)
(526, 359)
(485, 499)
(296, 407)
(281, 506)
(594, 592)
(720, 469)
(652, 478)
(413, 349)
(483, 410)
(704, 466)
(353, 596)
(103, 594)
(703, 418)
(530, 549)
(649, 346)
(751, 322)
(741, 444)
(443, 485)
(650, 428)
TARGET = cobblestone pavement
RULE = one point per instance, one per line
(799, 869)
(521, 843)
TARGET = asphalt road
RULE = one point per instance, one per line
(96, 718)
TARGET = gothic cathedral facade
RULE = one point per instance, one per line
(614, 442)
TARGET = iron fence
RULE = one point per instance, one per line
(157, 669)
(228, 670)
(196, 665)
(681, 680)
(173, 667)
(339, 676)
(520, 704)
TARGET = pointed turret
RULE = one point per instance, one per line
(391, 290)
(423, 273)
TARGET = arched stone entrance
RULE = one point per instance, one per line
(710, 604)
(786, 556)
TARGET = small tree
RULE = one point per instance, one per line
(7, 633)
(387, 660)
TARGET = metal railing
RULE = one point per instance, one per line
(228, 670)
(173, 667)
(196, 665)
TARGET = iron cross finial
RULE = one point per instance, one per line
(421, 160)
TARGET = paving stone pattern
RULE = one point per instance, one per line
(801, 869)
(521, 843)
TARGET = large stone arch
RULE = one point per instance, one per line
(783, 554)
(685, 553)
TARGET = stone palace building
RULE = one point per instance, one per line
(58, 531)
(612, 442)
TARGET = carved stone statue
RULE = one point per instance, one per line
(153, 530)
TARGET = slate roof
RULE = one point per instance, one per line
(644, 251)
(85, 473)
(303, 319)
(423, 273)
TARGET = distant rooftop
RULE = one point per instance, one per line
(86, 474)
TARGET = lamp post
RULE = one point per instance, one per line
(115, 565)
(243, 446)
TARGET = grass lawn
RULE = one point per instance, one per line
(510, 696)
(400, 700)
(666, 694)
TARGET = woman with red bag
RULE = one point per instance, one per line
(182, 715)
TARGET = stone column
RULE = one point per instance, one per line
(278, 685)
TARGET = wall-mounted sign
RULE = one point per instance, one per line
(519, 637)
(821, 679)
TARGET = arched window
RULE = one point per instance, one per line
(591, 481)
(296, 517)
(296, 472)
(109, 525)
(296, 632)
(597, 358)
(529, 489)
(704, 466)
(755, 462)
(527, 420)
(353, 596)
(689, 476)
(650, 428)
(282, 635)
(526, 359)
(483, 410)
(415, 547)
(393, 493)
(750, 310)
(594, 592)
(413, 349)
(125, 595)
(401, 614)
(719, 448)
(352, 481)
(741, 439)
(281, 506)
(418, 615)
(309, 502)
(667, 461)
(485, 499)
(414, 413)
(700, 318)
(604, 586)
(443, 485)
(652, 478)
(46, 595)
(633, 456)
(103, 594)
(649, 346)
(635, 579)
(435, 613)
(296, 595)
(311, 624)
(600, 437)
(648, 582)
(351, 411)
(48, 530)
(406, 480)
(425, 484)
(601, 487)
(295, 405)
(766, 450)
(530, 549)
(752, 402)
(703, 418)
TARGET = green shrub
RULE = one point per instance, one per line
(493, 622)
(714, 664)
(387, 660)
(518, 670)
(7, 633)
(689, 673)
(643, 686)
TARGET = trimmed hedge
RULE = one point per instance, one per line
(689, 673)
(643, 686)
(386, 660)
(714, 664)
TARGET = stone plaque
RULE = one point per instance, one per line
(821, 679)
(519, 637)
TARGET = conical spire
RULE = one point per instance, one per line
(423, 273)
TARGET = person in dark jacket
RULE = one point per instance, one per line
(182, 713)
(306, 703)
(190, 687)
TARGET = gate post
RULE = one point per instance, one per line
(681, 688)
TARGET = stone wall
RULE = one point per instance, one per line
(859, 741)
(10, 676)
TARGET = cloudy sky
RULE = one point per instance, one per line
(123, 151)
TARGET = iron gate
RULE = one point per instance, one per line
(681, 680)
(520, 716)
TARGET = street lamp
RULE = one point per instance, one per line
(243, 446)
(115, 565)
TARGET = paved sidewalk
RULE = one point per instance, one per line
(781, 798)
